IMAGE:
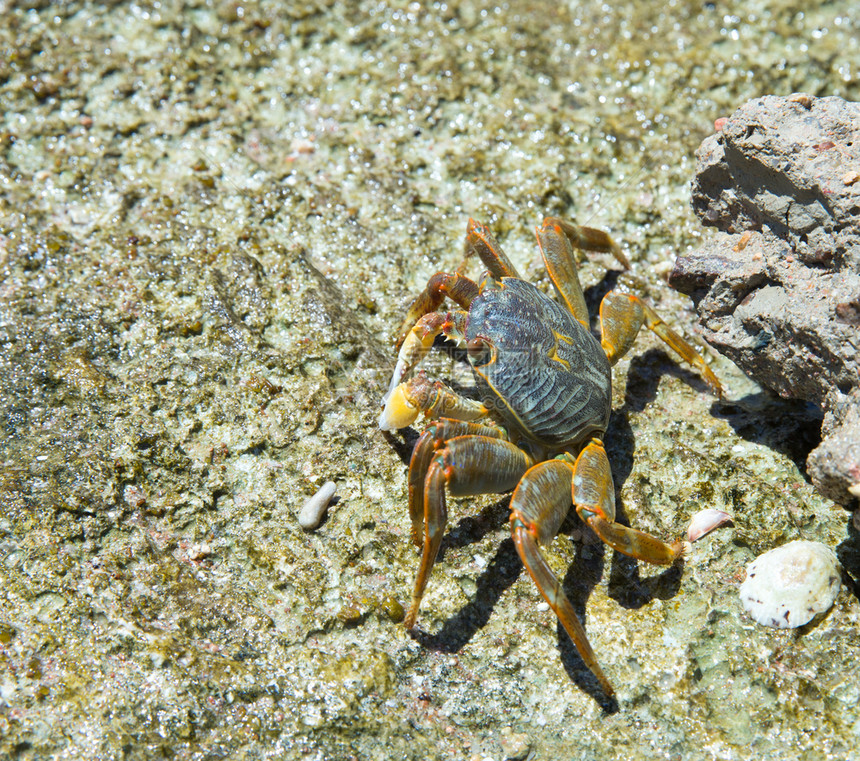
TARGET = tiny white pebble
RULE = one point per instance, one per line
(199, 551)
(311, 514)
(790, 585)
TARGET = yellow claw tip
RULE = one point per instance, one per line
(399, 410)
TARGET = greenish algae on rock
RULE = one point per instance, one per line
(211, 220)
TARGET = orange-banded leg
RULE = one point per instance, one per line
(539, 505)
(480, 242)
(429, 442)
(621, 317)
(589, 239)
(465, 465)
(456, 287)
(557, 240)
(594, 497)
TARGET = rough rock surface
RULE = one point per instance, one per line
(778, 291)
(212, 216)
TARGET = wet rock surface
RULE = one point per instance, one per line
(778, 289)
(212, 217)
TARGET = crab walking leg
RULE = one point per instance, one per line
(558, 240)
(456, 287)
(589, 239)
(420, 338)
(432, 439)
(594, 498)
(560, 263)
(538, 506)
(621, 317)
(466, 465)
(480, 241)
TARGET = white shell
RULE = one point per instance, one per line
(704, 522)
(787, 587)
(311, 514)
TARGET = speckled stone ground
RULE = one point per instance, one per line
(212, 217)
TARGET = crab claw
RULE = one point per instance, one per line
(705, 521)
(400, 370)
(416, 344)
(399, 410)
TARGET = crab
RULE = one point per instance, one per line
(545, 389)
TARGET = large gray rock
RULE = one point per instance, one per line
(778, 290)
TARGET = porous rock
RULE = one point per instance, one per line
(834, 463)
(778, 289)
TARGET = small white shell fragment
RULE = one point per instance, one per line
(788, 586)
(199, 551)
(704, 522)
(311, 514)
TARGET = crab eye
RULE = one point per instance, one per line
(480, 353)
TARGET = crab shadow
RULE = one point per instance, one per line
(626, 585)
(789, 426)
(403, 442)
(582, 576)
(646, 370)
(499, 575)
